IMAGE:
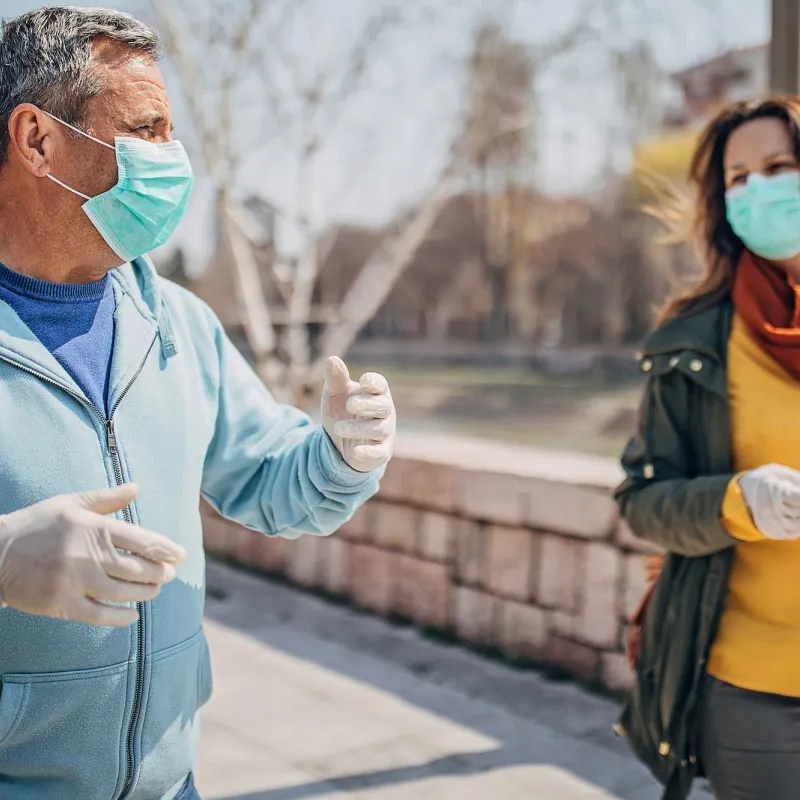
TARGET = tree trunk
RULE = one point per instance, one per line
(497, 327)
(298, 341)
(253, 307)
(381, 272)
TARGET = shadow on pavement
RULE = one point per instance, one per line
(548, 723)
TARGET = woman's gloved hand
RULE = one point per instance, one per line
(772, 494)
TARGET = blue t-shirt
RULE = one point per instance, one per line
(75, 322)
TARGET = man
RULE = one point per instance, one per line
(109, 375)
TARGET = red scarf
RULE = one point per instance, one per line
(769, 304)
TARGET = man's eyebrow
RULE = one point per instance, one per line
(147, 119)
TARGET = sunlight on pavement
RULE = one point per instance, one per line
(282, 728)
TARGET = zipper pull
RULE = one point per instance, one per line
(111, 436)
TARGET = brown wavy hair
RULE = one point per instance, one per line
(706, 223)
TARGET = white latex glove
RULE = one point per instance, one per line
(360, 418)
(59, 558)
(772, 494)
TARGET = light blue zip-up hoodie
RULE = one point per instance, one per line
(96, 713)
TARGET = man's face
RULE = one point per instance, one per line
(134, 104)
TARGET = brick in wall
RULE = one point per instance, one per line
(558, 573)
(475, 615)
(357, 528)
(372, 577)
(269, 554)
(302, 560)
(422, 591)
(215, 533)
(492, 497)
(436, 536)
(586, 512)
(469, 549)
(333, 564)
(509, 562)
(420, 483)
(394, 526)
(523, 629)
(598, 621)
(578, 660)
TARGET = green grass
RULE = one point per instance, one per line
(473, 377)
(516, 406)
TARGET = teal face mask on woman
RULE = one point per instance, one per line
(765, 214)
(149, 199)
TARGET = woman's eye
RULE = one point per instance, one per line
(782, 167)
(738, 180)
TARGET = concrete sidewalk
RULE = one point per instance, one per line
(314, 700)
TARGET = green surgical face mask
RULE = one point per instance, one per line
(149, 199)
(765, 214)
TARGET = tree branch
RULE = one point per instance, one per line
(384, 267)
(258, 324)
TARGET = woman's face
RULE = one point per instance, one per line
(761, 146)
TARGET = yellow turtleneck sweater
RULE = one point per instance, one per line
(758, 645)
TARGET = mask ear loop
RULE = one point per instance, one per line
(68, 188)
(78, 130)
(82, 133)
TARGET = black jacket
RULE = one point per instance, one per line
(678, 467)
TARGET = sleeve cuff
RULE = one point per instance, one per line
(736, 517)
(336, 471)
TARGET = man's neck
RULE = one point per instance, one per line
(53, 271)
(27, 252)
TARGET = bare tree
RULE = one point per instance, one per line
(225, 52)
(261, 65)
(501, 136)
(210, 58)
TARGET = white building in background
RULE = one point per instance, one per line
(735, 75)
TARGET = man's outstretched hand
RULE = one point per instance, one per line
(63, 557)
(360, 418)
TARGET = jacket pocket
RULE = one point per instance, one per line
(60, 732)
(179, 683)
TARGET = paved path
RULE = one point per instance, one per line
(314, 700)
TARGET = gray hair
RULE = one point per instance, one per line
(46, 59)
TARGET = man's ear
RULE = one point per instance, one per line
(33, 135)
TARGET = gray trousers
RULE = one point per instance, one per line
(750, 743)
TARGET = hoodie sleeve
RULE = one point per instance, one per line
(267, 467)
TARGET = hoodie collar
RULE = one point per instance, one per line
(139, 281)
(140, 317)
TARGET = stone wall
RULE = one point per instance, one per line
(507, 548)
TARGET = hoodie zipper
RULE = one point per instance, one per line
(112, 446)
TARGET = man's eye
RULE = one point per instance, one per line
(146, 131)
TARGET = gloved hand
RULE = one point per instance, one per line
(772, 494)
(59, 558)
(360, 418)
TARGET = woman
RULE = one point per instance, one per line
(712, 478)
